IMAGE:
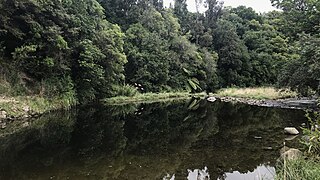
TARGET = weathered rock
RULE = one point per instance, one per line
(3, 125)
(26, 108)
(290, 137)
(3, 114)
(267, 148)
(291, 131)
(25, 116)
(211, 99)
(26, 124)
(291, 154)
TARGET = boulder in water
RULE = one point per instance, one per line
(291, 131)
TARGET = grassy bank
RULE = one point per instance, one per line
(22, 106)
(303, 168)
(259, 93)
(150, 97)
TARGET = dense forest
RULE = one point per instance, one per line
(91, 49)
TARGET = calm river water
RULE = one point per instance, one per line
(186, 139)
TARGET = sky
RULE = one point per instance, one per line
(258, 5)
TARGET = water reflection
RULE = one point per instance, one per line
(198, 174)
(176, 140)
(264, 172)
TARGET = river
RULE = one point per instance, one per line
(186, 139)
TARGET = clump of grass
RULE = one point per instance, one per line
(299, 169)
(24, 105)
(256, 93)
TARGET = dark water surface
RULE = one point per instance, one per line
(176, 140)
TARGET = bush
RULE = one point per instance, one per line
(126, 90)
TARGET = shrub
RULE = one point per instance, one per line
(126, 90)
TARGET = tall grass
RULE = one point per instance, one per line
(25, 105)
(256, 93)
(312, 142)
(299, 169)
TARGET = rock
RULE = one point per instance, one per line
(257, 137)
(3, 126)
(315, 128)
(26, 108)
(26, 124)
(267, 148)
(25, 116)
(291, 131)
(3, 114)
(291, 154)
(211, 99)
(290, 137)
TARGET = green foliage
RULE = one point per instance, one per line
(233, 66)
(125, 90)
(303, 73)
(194, 84)
(51, 41)
(299, 16)
(299, 169)
(312, 134)
(78, 47)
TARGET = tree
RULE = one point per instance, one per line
(299, 16)
(303, 73)
(233, 66)
(63, 42)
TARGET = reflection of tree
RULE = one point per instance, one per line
(36, 146)
(162, 128)
(145, 141)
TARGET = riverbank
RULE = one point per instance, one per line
(30, 106)
(20, 109)
(259, 93)
(24, 107)
(266, 97)
(151, 97)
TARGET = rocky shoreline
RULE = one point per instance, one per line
(290, 103)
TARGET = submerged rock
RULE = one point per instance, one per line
(211, 99)
(291, 131)
(290, 137)
(267, 148)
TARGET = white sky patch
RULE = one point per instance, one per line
(258, 5)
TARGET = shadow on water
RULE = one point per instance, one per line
(176, 140)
